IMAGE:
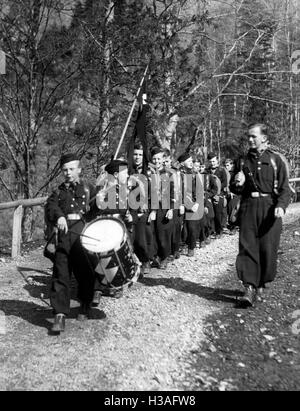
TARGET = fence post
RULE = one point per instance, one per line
(17, 232)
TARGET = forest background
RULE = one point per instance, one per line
(72, 69)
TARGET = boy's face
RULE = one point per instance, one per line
(122, 175)
(188, 163)
(158, 160)
(167, 161)
(138, 157)
(71, 171)
(229, 166)
(214, 163)
(196, 166)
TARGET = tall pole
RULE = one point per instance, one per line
(131, 112)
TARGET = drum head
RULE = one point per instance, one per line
(103, 235)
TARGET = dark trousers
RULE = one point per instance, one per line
(231, 211)
(176, 234)
(203, 228)
(220, 215)
(192, 228)
(163, 230)
(258, 242)
(71, 258)
(144, 239)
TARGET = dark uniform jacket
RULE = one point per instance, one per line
(163, 194)
(222, 175)
(194, 193)
(143, 183)
(69, 199)
(263, 178)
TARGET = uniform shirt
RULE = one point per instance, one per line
(162, 189)
(194, 194)
(222, 175)
(260, 177)
(68, 199)
(209, 184)
(144, 184)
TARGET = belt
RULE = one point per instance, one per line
(74, 217)
(257, 194)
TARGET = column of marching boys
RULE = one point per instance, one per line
(190, 206)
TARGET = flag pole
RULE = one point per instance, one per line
(131, 112)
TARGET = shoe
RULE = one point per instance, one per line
(155, 263)
(96, 299)
(177, 255)
(146, 267)
(248, 299)
(164, 264)
(59, 324)
(84, 312)
(191, 253)
(117, 294)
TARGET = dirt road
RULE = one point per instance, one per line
(176, 330)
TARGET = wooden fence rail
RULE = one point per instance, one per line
(19, 205)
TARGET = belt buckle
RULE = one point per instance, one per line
(255, 194)
(74, 217)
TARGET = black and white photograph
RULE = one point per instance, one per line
(149, 198)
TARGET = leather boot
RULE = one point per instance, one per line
(84, 312)
(177, 255)
(249, 297)
(96, 298)
(59, 324)
(146, 267)
(191, 253)
(164, 264)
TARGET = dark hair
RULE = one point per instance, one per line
(211, 155)
(138, 146)
(156, 150)
(167, 152)
(263, 127)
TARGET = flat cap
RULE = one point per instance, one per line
(68, 157)
(114, 166)
(183, 157)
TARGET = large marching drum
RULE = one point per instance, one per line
(108, 246)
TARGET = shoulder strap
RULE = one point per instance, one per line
(275, 168)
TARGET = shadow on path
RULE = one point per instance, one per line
(37, 315)
(209, 293)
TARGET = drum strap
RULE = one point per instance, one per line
(120, 265)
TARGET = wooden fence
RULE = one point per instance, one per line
(17, 219)
(18, 215)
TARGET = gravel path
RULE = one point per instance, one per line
(147, 340)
